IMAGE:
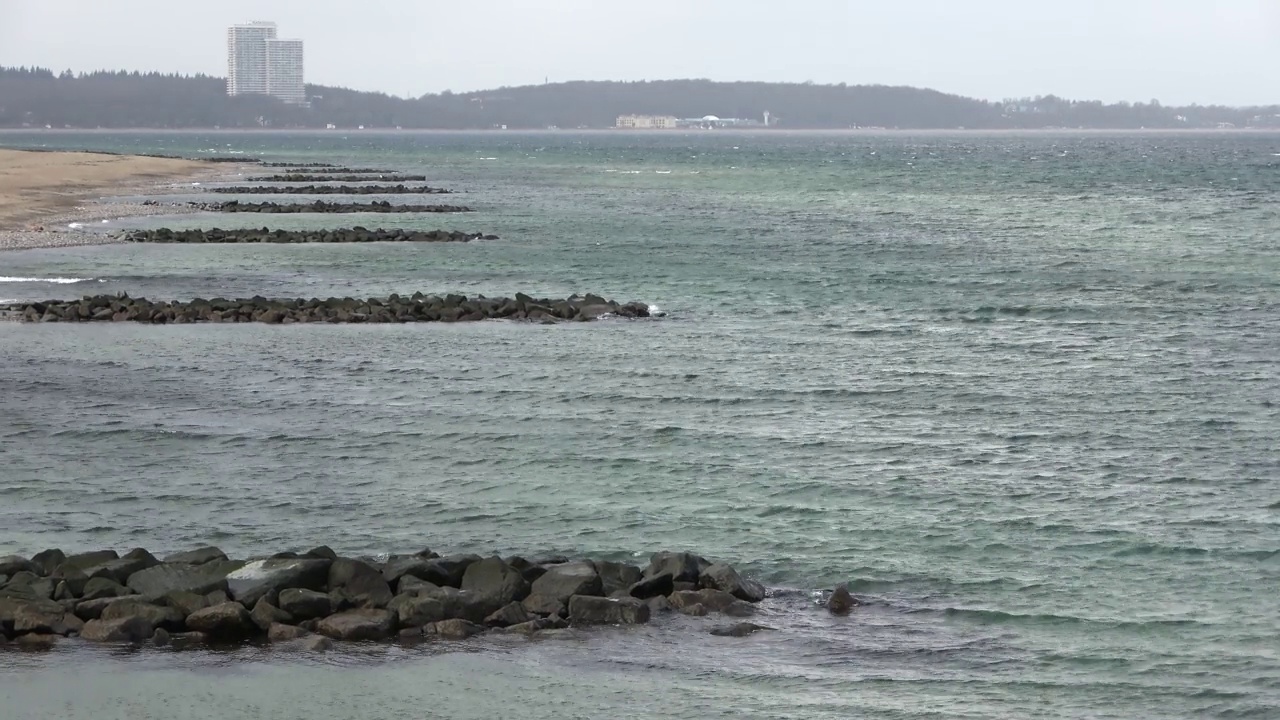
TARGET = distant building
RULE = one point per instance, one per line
(259, 63)
(646, 122)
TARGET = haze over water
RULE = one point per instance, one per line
(1018, 390)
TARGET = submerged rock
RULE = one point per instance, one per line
(739, 630)
(841, 601)
(589, 610)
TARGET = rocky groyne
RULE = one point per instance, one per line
(308, 600)
(309, 178)
(297, 165)
(319, 206)
(399, 189)
(334, 170)
(394, 309)
(266, 235)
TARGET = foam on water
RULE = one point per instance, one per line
(46, 280)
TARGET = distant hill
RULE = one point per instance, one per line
(36, 97)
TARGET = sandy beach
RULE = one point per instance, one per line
(42, 192)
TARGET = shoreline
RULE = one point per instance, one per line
(45, 195)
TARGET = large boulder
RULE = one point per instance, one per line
(616, 576)
(723, 577)
(495, 578)
(398, 566)
(266, 578)
(101, 587)
(714, 600)
(415, 585)
(359, 584)
(48, 560)
(282, 633)
(27, 585)
(419, 611)
(84, 561)
(201, 579)
(465, 605)
(22, 616)
(510, 614)
(156, 616)
(447, 571)
(265, 615)
(656, 586)
(456, 629)
(74, 579)
(199, 556)
(187, 602)
(360, 624)
(591, 610)
(14, 564)
(841, 602)
(543, 605)
(682, 567)
(93, 609)
(228, 621)
(305, 604)
(120, 569)
(132, 629)
(562, 582)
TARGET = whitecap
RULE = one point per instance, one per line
(51, 281)
(663, 172)
(76, 226)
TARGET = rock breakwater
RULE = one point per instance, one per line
(319, 206)
(265, 235)
(307, 600)
(309, 178)
(297, 165)
(399, 189)
(393, 309)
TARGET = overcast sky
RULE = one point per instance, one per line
(1179, 51)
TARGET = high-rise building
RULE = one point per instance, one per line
(259, 63)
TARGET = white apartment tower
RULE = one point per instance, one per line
(259, 63)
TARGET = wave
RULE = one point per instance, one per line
(51, 281)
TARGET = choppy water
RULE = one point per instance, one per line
(1020, 390)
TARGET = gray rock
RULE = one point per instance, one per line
(186, 602)
(178, 641)
(361, 624)
(684, 586)
(266, 578)
(419, 611)
(228, 621)
(75, 579)
(324, 552)
(714, 600)
(465, 605)
(739, 608)
(841, 601)
(305, 604)
(21, 616)
(281, 633)
(122, 568)
(14, 564)
(132, 629)
(682, 567)
(543, 605)
(723, 577)
(495, 578)
(739, 630)
(658, 604)
(360, 583)
(160, 580)
(562, 582)
(37, 641)
(63, 592)
(48, 560)
(418, 586)
(217, 597)
(93, 609)
(535, 626)
(617, 577)
(27, 585)
(199, 556)
(512, 613)
(398, 566)
(3, 579)
(448, 571)
(695, 610)
(83, 561)
(656, 586)
(156, 616)
(161, 638)
(265, 615)
(102, 587)
(590, 610)
(308, 643)
(456, 629)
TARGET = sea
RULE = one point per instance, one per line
(1020, 391)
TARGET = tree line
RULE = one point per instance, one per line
(38, 97)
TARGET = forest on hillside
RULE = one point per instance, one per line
(38, 97)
